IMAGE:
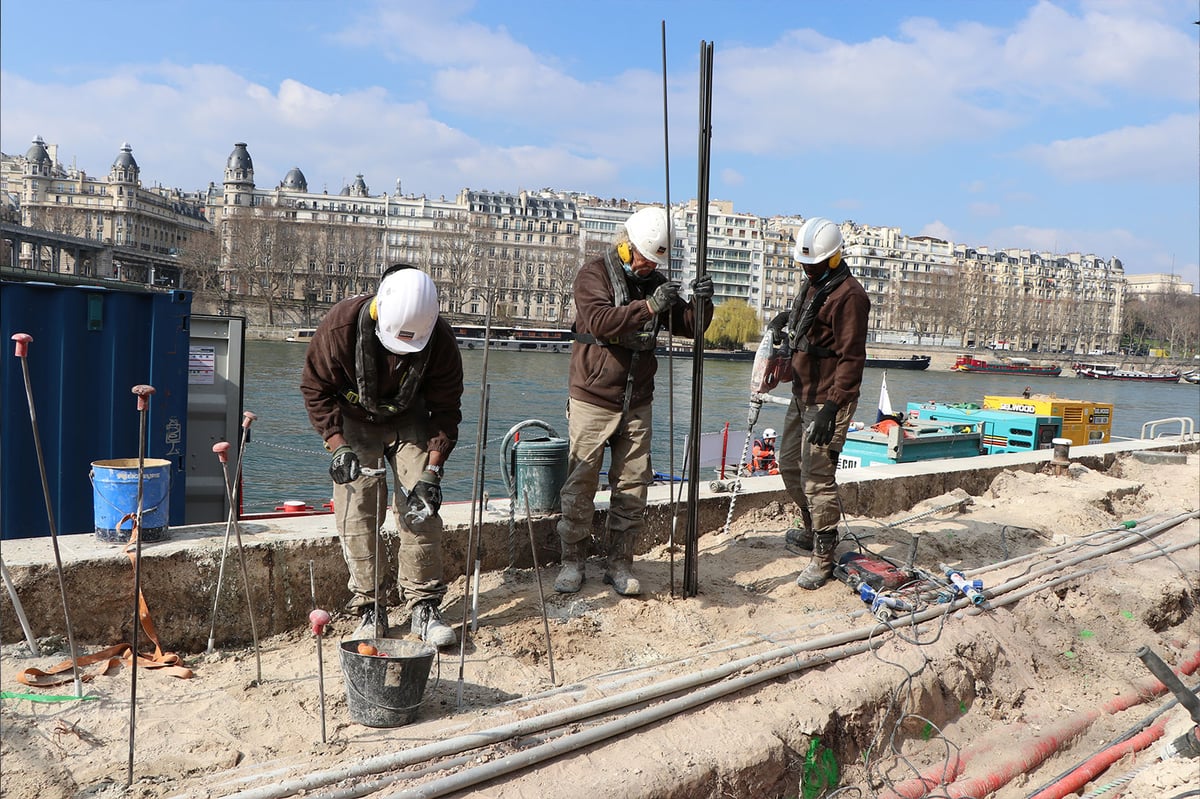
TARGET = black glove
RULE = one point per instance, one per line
(702, 287)
(425, 498)
(820, 432)
(663, 296)
(345, 467)
(777, 325)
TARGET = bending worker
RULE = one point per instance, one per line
(826, 332)
(383, 381)
(621, 301)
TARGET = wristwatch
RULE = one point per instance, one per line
(434, 469)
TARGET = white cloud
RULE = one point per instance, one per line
(981, 209)
(731, 177)
(1164, 151)
(938, 230)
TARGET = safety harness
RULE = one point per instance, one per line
(804, 313)
(366, 393)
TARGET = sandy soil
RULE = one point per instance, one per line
(982, 687)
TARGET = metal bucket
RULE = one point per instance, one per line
(386, 690)
(540, 469)
(114, 496)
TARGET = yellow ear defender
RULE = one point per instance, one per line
(374, 310)
(623, 253)
(835, 259)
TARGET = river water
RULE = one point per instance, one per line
(285, 460)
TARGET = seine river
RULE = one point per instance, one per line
(285, 460)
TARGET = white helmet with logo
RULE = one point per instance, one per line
(817, 240)
(769, 433)
(647, 230)
(406, 309)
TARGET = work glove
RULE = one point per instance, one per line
(345, 467)
(663, 296)
(820, 432)
(702, 287)
(778, 336)
(425, 498)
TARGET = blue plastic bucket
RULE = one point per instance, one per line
(114, 496)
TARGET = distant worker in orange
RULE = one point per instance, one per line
(763, 454)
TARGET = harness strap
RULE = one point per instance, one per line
(109, 658)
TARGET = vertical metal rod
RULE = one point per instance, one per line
(221, 448)
(487, 405)
(21, 350)
(541, 594)
(472, 530)
(319, 629)
(670, 333)
(20, 610)
(143, 393)
(381, 498)
(691, 552)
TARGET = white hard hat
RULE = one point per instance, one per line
(406, 308)
(769, 432)
(817, 240)
(647, 231)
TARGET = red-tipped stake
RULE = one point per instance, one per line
(21, 350)
(143, 393)
(221, 448)
(317, 620)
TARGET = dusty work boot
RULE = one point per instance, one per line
(799, 537)
(367, 627)
(820, 566)
(619, 573)
(570, 573)
(427, 625)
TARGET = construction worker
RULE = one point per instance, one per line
(383, 383)
(762, 453)
(621, 301)
(826, 332)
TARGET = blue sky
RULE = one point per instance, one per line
(1064, 126)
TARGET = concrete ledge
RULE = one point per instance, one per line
(180, 573)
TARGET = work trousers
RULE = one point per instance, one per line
(591, 429)
(359, 510)
(810, 471)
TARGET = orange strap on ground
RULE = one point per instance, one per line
(109, 658)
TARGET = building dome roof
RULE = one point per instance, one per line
(294, 180)
(125, 158)
(239, 158)
(37, 151)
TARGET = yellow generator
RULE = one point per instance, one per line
(1083, 422)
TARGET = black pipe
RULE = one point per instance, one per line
(1167, 677)
(692, 539)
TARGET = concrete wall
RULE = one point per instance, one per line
(179, 574)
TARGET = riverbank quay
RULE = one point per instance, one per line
(726, 694)
(180, 572)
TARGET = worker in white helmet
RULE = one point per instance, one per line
(826, 331)
(622, 298)
(383, 383)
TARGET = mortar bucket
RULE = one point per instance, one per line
(386, 690)
(114, 496)
(540, 465)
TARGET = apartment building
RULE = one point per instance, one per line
(147, 227)
(734, 250)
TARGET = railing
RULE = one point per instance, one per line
(1187, 427)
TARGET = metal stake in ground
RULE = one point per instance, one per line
(20, 610)
(317, 619)
(22, 352)
(143, 393)
(381, 497)
(221, 448)
(541, 594)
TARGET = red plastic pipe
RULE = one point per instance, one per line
(1033, 752)
(1099, 763)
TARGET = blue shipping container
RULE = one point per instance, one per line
(90, 347)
